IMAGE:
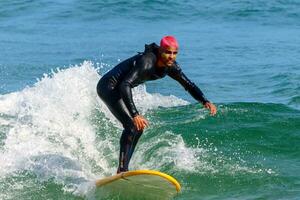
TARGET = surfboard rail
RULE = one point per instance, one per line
(123, 175)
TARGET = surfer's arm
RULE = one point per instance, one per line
(135, 75)
(126, 94)
(177, 74)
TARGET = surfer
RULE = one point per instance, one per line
(114, 88)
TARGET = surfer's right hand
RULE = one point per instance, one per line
(140, 122)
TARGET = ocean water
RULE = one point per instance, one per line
(57, 137)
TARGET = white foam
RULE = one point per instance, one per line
(50, 131)
(146, 101)
(51, 121)
(171, 150)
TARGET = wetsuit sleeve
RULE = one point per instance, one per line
(177, 74)
(136, 74)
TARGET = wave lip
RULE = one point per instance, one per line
(59, 130)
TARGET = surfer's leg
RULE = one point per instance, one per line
(128, 142)
(115, 104)
(130, 135)
(134, 141)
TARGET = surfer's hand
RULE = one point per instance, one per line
(211, 107)
(140, 122)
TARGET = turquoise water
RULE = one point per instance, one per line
(57, 137)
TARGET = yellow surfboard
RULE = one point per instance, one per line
(138, 184)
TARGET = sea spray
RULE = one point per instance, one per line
(53, 131)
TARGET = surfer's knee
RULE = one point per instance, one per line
(131, 130)
(129, 127)
(130, 136)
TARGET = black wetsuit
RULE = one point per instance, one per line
(114, 88)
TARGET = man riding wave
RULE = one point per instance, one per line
(114, 88)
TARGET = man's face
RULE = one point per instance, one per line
(168, 55)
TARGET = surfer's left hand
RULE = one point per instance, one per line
(211, 107)
(140, 122)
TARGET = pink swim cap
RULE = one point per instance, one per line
(169, 41)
